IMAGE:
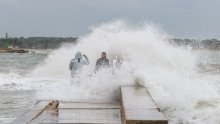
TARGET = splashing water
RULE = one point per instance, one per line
(169, 73)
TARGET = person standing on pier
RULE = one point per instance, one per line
(77, 63)
(102, 62)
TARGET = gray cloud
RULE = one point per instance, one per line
(180, 18)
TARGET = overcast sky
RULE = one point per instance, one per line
(179, 18)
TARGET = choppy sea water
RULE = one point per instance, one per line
(185, 83)
(16, 98)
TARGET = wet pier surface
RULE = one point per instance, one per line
(73, 113)
(136, 107)
(14, 102)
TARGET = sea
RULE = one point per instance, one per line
(184, 82)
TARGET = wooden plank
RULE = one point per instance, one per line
(72, 105)
(44, 113)
(83, 116)
(137, 97)
(138, 107)
(143, 114)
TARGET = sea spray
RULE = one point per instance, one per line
(168, 73)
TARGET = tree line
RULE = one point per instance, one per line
(56, 42)
(209, 44)
(37, 42)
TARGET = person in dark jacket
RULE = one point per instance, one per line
(102, 62)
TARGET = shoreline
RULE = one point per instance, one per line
(14, 50)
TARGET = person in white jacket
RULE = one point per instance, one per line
(77, 63)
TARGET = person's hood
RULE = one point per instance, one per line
(78, 55)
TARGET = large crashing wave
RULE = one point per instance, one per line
(168, 73)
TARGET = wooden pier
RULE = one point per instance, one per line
(136, 107)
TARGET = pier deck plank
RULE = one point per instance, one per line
(138, 107)
(88, 105)
(84, 113)
(84, 116)
(75, 113)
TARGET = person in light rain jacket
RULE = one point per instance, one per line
(77, 63)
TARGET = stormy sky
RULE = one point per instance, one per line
(179, 18)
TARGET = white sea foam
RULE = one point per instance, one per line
(169, 73)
